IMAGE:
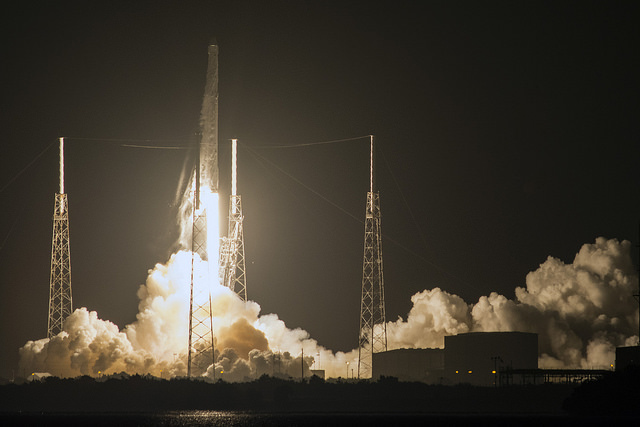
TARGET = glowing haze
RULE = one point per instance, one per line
(581, 312)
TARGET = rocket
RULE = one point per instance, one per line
(208, 168)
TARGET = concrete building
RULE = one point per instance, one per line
(477, 357)
(410, 364)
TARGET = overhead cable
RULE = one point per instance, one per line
(315, 143)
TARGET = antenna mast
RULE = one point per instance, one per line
(373, 326)
(232, 268)
(60, 298)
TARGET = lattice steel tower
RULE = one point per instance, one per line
(201, 345)
(200, 354)
(232, 264)
(60, 300)
(373, 326)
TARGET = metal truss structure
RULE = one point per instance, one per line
(373, 327)
(60, 299)
(200, 354)
(232, 263)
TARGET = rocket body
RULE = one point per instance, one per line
(208, 169)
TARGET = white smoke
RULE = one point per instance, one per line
(86, 346)
(580, 311)
(435, 313)
(247, 344)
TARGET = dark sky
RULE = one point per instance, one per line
(506, 132)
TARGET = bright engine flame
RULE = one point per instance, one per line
(210, 202)
(205, 246)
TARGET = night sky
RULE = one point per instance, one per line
(506, 132)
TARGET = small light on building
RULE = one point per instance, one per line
(456, 372)
(471, 372)
(493, 372)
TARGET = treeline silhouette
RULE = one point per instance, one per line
(615, 394)
(267, 394)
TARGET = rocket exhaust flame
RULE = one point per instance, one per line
(209, 204)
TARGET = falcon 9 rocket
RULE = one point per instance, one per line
(209, 126)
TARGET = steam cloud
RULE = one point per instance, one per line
(581, 312)
(247, 344)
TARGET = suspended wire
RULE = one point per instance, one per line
(416, 224)
(385, 236)
(147, 146)
(74, 138)
(308, 144)
(26, 167)
(335, 205)
(157, 147)
(404, 200)
(256, 155)
(13, 226)
(266, 168)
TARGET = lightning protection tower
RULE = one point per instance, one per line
(200, 353)
(232, 262)
(60, 300)
(373, 327)
(201, 350)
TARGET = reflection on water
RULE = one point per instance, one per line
(207, 418)
(249, 419)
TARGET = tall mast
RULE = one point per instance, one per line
(373, 327)
(234, 167)
(232, 262)
(61, 165)
(371, 165)
(60, 297)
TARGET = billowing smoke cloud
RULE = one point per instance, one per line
(86, 346)
(435, 313)
(247, 344)
(580, 311)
